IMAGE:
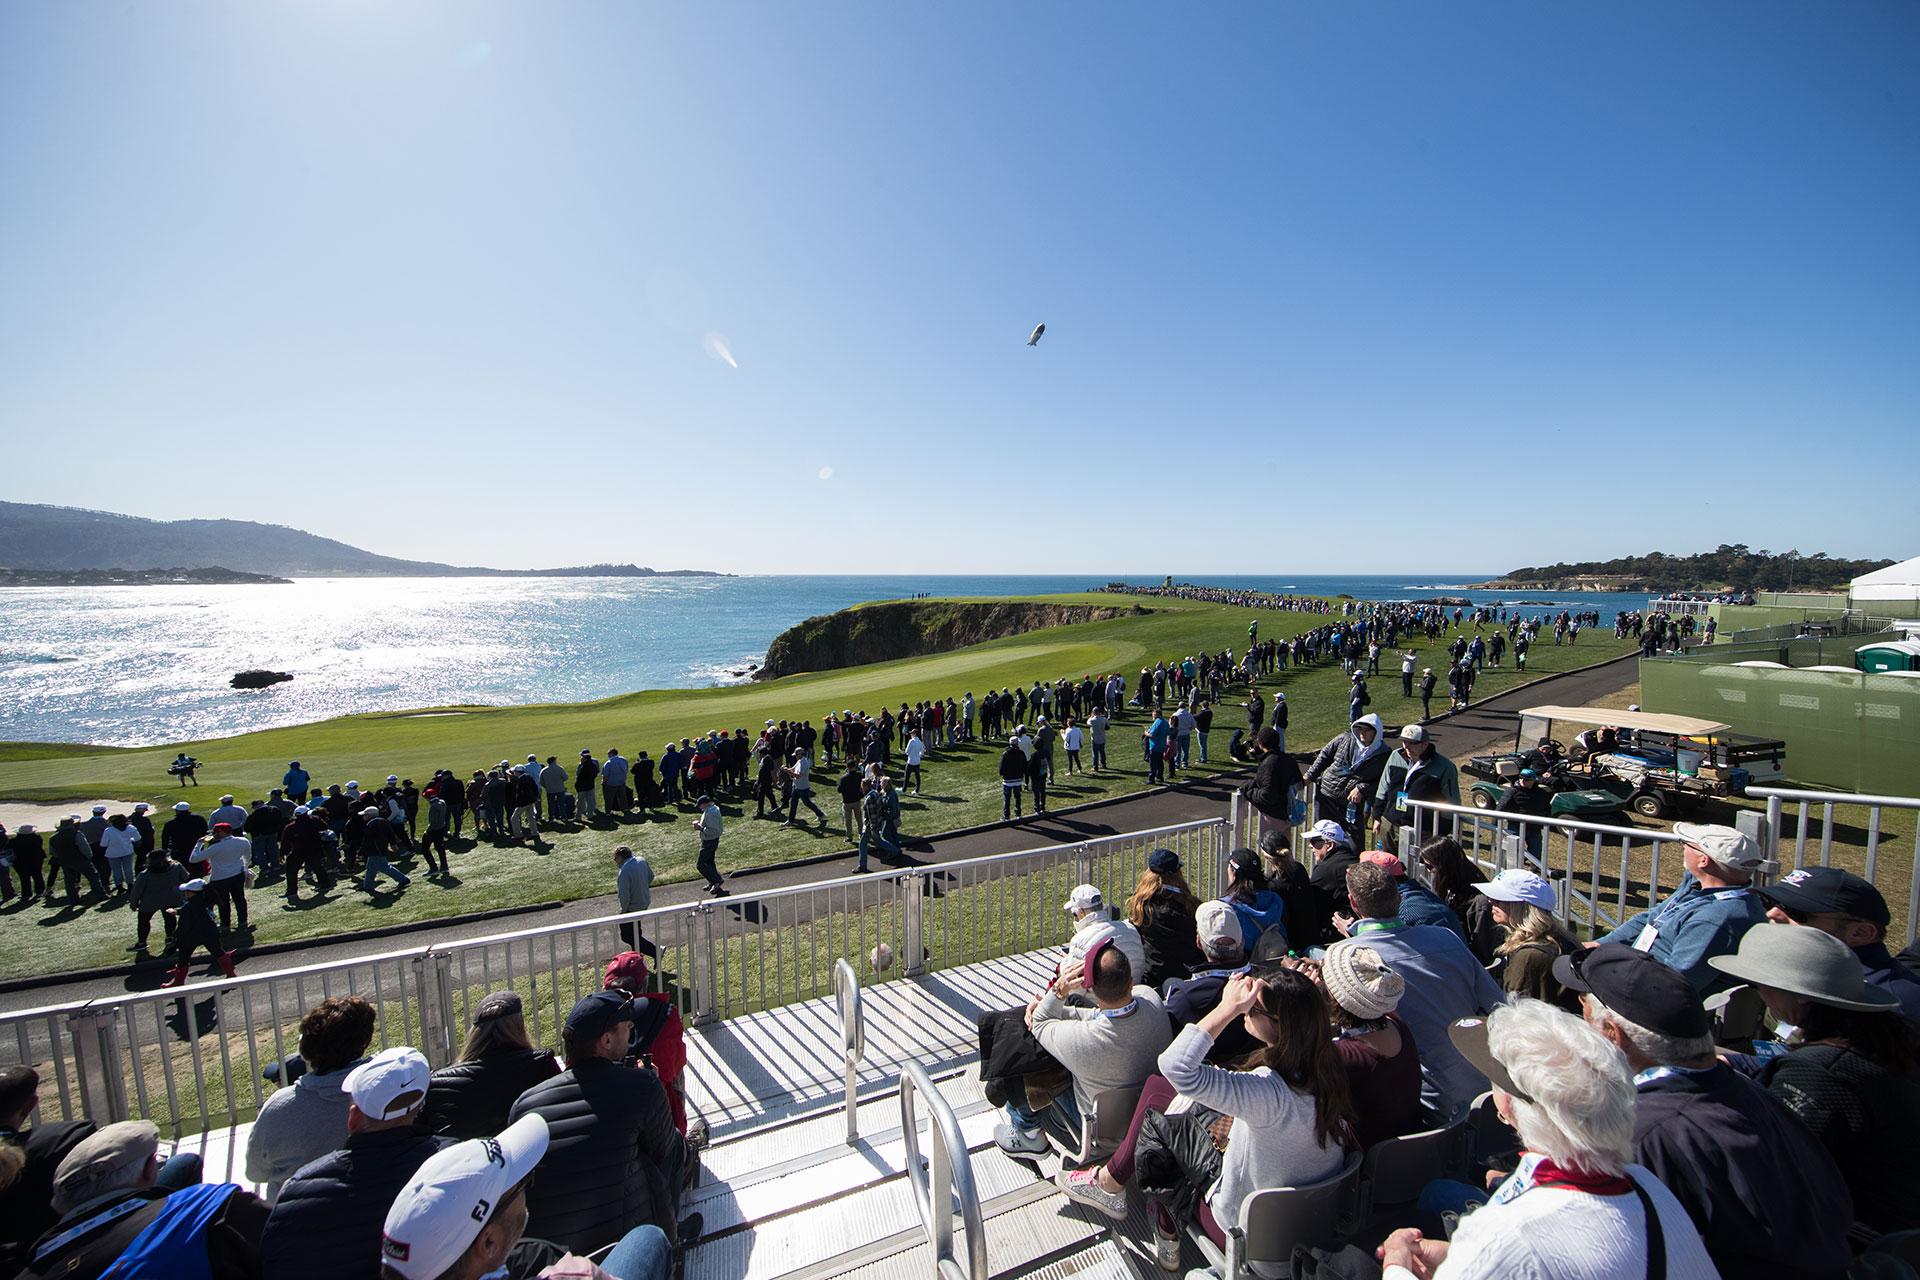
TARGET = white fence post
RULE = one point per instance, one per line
(913, 923)
(706, 1004)
(96, 1065)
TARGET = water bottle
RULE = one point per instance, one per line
(1353, 813)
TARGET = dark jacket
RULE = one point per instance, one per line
(229, 1238)
(613, 1157)
(1169, 937)
(472, 1099)
(195, 927)
(26, 1207)
(1766, 1196)
(1013, 764)
(326, 1225)
(1421, 905)
(1884, 971)
(1329, 881)
(1867, 1117)
(1190, 999)
(180, 833)
(1268, 792)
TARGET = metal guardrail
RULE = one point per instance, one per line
(946, 1176)
(853, 1038)
(1778, 797)
(189, 1058)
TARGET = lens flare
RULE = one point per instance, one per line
(716, 345)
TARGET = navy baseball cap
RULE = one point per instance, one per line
(1637, 987)
(599, 1013)
(1820, 891)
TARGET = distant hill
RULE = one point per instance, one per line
(33, 536)
(1725, 568)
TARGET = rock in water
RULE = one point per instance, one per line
(259, 679)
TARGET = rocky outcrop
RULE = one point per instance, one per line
(258, 679)
(912, 629)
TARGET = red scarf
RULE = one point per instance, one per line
(1549, 1174)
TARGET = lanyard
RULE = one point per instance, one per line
(1122, 1011)
(1660, 1073)
(98, 1220)
(1374, 926)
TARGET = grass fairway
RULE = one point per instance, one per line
(961, 786)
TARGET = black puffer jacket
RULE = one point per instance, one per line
(472, 1099)
(1169, 936)
(614, 1159)
(327, 1222)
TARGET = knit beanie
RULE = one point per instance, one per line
(1359, 982)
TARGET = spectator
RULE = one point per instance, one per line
(119, 1218)
(1346, 772)
(1286, 877)
(465, 1211)
(1765, 1195)
(26, 1205)
(1013, 777)
(182, 832)
(801, 774)
(1523, 904)
(375, 839)
(324, 1223)
(74, 858)
(1375, 1046)
(1526, 798)
(1271, 790)
(117, 842)
(659, 1041)
(1709, 912)
(634, 884)
(1851, 909)
(1093, 924)
(29, 855)
(1418, 904)
(614, 1160)
(298, 1125)
(1415, 770)
(195, 929)
(1223, 948)
(1854, 1075)
(156, 891)
(1576, 1208)
(1443, 983)
(585, 774)
(498, 1063)
(1259, 908)
(225, 860)
(709, 826)
(1456, 879)
(1333, 857)
(1161, 910)
(1110, 1046)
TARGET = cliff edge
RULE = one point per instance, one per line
(913, 629)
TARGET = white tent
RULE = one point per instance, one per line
(1895, 582)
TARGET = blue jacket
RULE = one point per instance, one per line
(1884, 971)
(1266, 911)
(1421, 905)
(1694, 923)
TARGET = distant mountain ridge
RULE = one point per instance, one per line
(36, 536)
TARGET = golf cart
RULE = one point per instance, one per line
(1666, 762)
(1573, 796)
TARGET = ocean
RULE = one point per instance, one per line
(132, 666)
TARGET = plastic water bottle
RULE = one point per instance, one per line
(1353, 813)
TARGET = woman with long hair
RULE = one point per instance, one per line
(1162, 908)
(1281, 1120)
(1455, 879)
(1374, 1044)
(498, 1063)
(1521, 903)
(1258, 907)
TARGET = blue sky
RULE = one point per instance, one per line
(1328, 287)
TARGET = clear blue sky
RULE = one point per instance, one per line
(1362, 287)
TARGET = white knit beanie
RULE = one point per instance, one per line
(1359, 982)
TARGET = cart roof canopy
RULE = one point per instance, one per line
(1685, 726)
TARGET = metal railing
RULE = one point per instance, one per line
(947, 1176)
(1870, 865)
(190, 1058)
(853, 1038)
(1588, 851)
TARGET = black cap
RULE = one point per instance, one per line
(1639, 988)
(599, 1013)
(1828, 891)
(1243, 860)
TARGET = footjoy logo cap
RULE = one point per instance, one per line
(440, 1211)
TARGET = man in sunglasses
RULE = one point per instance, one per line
(1842, 904)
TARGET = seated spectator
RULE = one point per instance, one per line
(1285, 1118)
(323, 1225)
(1333, 856)
(1522, 904)
(1258, 907)
(1710, 911)
(1841, 903)
(614, 1160)
(1286, 877)
(1161, 909)
(1765, 1195)
(1854, 1075)
(298, 1125)
(1418, 904)
(1109, 1046)
(1455, 878)
(116, 1217)
(498, 1063)
(1443, 983)
(1375, 1046)
(463, 1216)
(1576, 1208)
(659, 1041)
(26, 1204)
(1094, 924)
(1188, 1000)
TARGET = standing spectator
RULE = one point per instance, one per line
(1427, 682)
(553, 785)
(74, 860)
(614, 1159)
(439, 818)
(224, 861)
(29, 860)
(182, 832)
(117, 843)
(374, 844)
(851, 792)
(709, 826)
(1071, 738)
(525, 822)
(1528, 799)
(585, 774)
(1037, 770)
(1271, 790)
(801, 771)
(634, 884)
(1346, 772)
(264, 823)
(156, 891)
(1415, 770)
(1013, 777)
(613, 782)
(873, 826)
(1203, 725)
(1408, 660)
(916, 752)
(497, 1063)
(303, 1122)
(325, 1223)
(1097, 737)
(305, 841)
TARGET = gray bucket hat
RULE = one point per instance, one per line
(1807, 962)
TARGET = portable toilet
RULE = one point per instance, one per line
(1891, 655)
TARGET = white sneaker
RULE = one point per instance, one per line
(1166, 1252)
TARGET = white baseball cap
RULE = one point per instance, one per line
(99, 808)
(1724, 845)
(438, 1214)
(1518, 885)
(377, 1083)
(1216, 922)
(1330, 832)
(1084, 898)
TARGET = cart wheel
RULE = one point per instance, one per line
(1648, 804)
(1481, 800)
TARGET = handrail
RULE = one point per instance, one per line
(1833, 797)
(1776, 798)
(949, 1174)
(853, 1036)
(1497, 816)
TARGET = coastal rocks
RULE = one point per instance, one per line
(259, 679)
(886, 632)
(1461, 601)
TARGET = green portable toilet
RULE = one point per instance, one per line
(1893, 655)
